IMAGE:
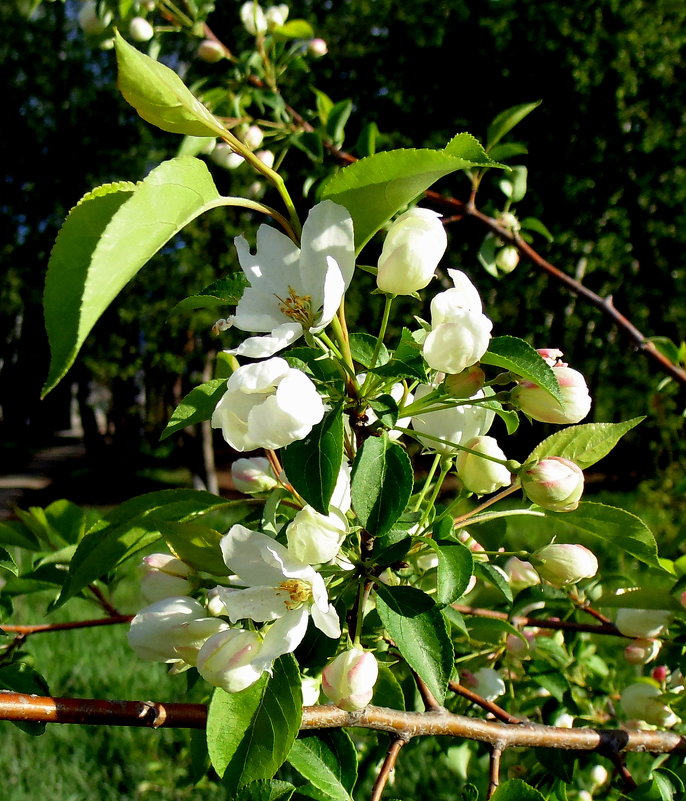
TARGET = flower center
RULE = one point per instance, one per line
(299, 591)
(297, 307)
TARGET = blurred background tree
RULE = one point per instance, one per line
(606, 176)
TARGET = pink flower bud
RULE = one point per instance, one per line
(210, 51)
(317, 48)
(253, 475)
(562, 564)
(349, 679)
(553, 483)
(552, 356)
(466, 383)
(537, 403)
(645, 623)
(231, 659)
(660, 673)
(482, 475)
(518, 647)
(521, 574)
(641, 651)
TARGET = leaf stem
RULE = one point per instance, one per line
(388, 303)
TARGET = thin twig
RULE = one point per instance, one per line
(428, 698)
(622, 770)
(111, 610)
(78, 624)
(541, 623)
(387, 767)
(494, 770)
(495, 710)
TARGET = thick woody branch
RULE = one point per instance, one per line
(404, 725)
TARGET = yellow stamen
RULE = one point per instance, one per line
(299, 591)
(297, 307)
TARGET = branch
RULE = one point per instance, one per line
(387, 767)
(78, 624)
(542, 623)
(405, 725)
(494, 770)
(495, 710)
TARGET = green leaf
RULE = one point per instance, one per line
(516, 790)
(366, 141)
(159, 96)
(12, 532)
(226, 291)
(465, 146)
(533, 224)
(490, 631)
(105, 241)
(644, 598)
(419, 631)
(128, 529)
(406, 361)
(250, 733)
(295, 29)
(382, 481)
(386, 409)
(197, 545)
(623, 531)
(337, 120)
(7, 563)
(266, 790)
(362, 349)
(455, 565)
(489, 573)
(583, 444)
(375, 188)
(387, 690)
(312, 464)
(20, 677)
(316, 758)
(506, 121)
(513, 186)
(520, 358)
(508, 150)
(197, 406)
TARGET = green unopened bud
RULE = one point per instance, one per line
(140, 30)
(507, 259)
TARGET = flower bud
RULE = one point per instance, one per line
(482, 475)
(641, 651)
(230, 659)
(660, 673)
(537, 403)
(317, 48)
(223, 155)
(466, 383)
(643, 623)
(253, 137)
(508, 220)
(521, 574)
(210, 51)
(189, 637)
(152, 630)
(518, 647)
(253, 475)
(164, 576)
(276, 16)
(562, 564)
(485, 682)
(140, 30)
(551, 356)
(315, 538)
(599, 775)
(253, 18)
(90, 21)
(553, 483)
(348, 680)
(414, 245)
(641, 700)
(266, 157)
(507, 259)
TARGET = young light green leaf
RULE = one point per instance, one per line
(516, 355)
(513, 186)
(250, 733)
(375, 188)
(420, 633)
(362, 346)
(105, 240)
(159, 96)
(295, 29)
(382, 481)
(312, 464)
(266, 790)
(583, 444)
(516, 790)
(317, 760)
(506, 121)
(621, 530)
(337, 120)
(197, 406)
(466, 146)
(535, 225)
(644, 598)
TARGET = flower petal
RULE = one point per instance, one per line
(333, 291)
(326, 621)
(259, 560)
(275, 263)
(284, 635)
(328, 232)
(261, 347)
(254, 603)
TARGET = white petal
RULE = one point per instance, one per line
(257, 310)
(334, 289)
(285, 634)
(261, 347)
(298, 397)
(260, 377)
(259, 560)
(275, 263)
(255, 603)
(327, 622)
(328, 232)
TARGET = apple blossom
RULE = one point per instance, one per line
(253, 475)
(482, 475)
(507, 259)
(267, 405)
(317, 48)
(539, 404)
(642, 650)
(561, 563)
(414, 245)
(253, 18)
(276, 16)
(293, 290)
(253, 137)
(460, 333)
(487, 683)
(553, 483)
(278, 587)
(466, 383)
(210, 51)
(232, 659)
(225, 156)
(152, 630)
(643, 623)
(348, 680)
(456, 424)
(311, 688)
(266, 157)
(140, 30)
(164, 576)
(521, 574)
(315, 538)
(642, 700)
(90, 21)
(189, 637)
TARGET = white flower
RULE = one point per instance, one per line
(457, 424)
(164, 576)
(644, 623)
(311, 687)
(554, 483)
(562, 563)
(253, 475)
(276, 16)
(153, 629)
(278, 587)
(267, 405)
(253, 137)
(489, 684)
(89, 20)
(460, 333)
(253, 18)
(315, 538)
(340, 498)
(293, 290)
(414, 245)
(482, 475)
(348, 680)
